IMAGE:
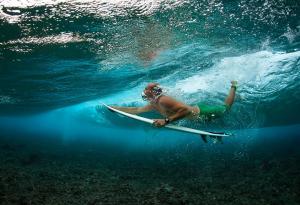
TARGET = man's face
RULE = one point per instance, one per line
(148, 91)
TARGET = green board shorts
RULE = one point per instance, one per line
(212, 111)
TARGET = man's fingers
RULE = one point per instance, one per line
(156, 124)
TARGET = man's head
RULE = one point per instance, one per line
(151, 92)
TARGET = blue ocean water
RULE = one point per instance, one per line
(60, 59)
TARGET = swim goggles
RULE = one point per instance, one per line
(156, 90)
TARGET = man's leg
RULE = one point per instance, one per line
(230, 98)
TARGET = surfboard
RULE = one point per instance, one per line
(204, 134)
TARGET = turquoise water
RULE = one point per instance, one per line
(60, 59)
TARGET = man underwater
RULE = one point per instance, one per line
(173, 109)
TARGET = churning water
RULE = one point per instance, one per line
(60, 58)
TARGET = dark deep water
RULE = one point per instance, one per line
(59, 59)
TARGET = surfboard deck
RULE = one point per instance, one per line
(204, 134)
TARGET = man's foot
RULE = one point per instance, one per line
(234, 84)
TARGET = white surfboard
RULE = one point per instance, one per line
(203, 134)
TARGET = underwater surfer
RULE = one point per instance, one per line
(173, 109)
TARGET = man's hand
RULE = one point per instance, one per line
(159, 122)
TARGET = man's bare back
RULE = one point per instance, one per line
(173, 109)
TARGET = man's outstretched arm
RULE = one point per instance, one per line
(134, 110)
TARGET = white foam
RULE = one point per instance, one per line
(290, 34)
(255, 70)
(61, 38)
